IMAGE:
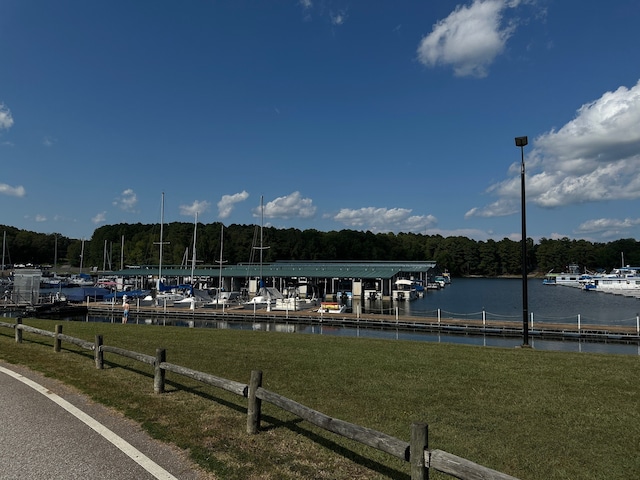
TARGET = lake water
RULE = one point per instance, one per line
(502, 298)
(499, 299)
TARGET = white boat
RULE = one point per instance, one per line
(80, 280)
(294, 303)
(610, 284)
(573, 278)
(225, 299)
(405, 290)
(193, 299)
(265, 298)
(332, 307)
(165, 298)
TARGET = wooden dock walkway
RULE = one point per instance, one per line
(497, 328)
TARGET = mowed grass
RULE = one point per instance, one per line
(531, 414)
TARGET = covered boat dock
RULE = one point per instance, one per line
(324, 279)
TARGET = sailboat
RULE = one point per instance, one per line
(164, 296)
(194, 298)
(222, 298)
(265, 296)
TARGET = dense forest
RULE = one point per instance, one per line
(459, 255)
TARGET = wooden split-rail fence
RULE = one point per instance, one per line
(415, 452)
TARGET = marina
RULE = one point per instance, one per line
(465, 309)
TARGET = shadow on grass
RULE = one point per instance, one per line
(273, 423)
(294, 426)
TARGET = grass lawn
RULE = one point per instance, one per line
(531, 414)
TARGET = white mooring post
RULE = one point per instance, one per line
(578, 323)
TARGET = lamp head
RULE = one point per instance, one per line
(521, 141)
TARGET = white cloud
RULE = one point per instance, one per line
(469, 39)
(228, 202)
(41, 218)
(593, 158)
(196, 207)
(290, 206)
(18, 191)
(338, 18)
(6, 119)
(48, 141)
(99, 218)
(608, 225)
(127, 200)
(306, 4)
(384, 219)
(500, 208)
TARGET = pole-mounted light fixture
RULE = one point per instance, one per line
(522, 142)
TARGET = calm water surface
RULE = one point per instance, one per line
(503, 298)
(498, 298)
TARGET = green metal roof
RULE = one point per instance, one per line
(317, 269)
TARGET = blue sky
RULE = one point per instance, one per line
(368, 115)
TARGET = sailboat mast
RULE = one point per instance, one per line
(220, 261)
(81, 255)
(193, 257)
(161, 241)
(4, 244)
(261, 228)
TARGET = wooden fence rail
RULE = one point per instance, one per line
(416, 452)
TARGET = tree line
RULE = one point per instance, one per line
(138, 244)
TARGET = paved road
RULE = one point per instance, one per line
(47, 430)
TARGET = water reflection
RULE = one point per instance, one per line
(577, 345)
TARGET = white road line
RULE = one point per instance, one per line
(128, 449)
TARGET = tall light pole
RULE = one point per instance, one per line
(521, 142)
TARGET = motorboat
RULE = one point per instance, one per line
(294, 304)
(80, 280)
(332, 307)
(405, 290)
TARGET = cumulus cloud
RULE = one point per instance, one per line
(228, 202)
(6, 119)
(609, 226)
(384, 219)
(99, 218)
(41, 218)
(127, 200)
(595, 157)
(196, 207)
(469, 39)
(290, 206)
(18, 191)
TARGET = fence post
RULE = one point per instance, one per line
(254, 404)
(18, 330)
(417, 447)
(158, 378)
(98, 353)
(57, 342)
